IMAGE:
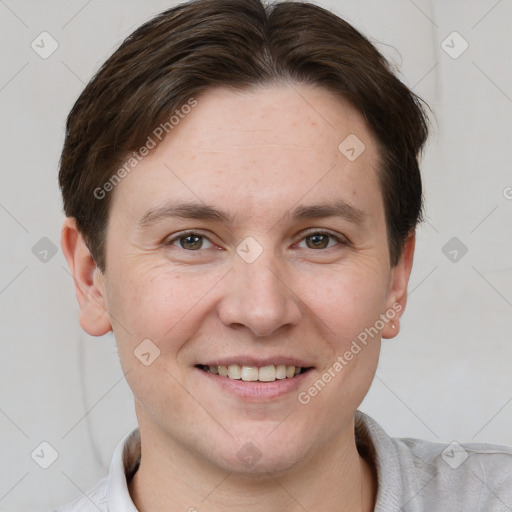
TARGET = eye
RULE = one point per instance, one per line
(190, 241)
(321, 239)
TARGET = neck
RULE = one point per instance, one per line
(171, 478)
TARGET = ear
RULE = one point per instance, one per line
(397, 296)
(89, 284)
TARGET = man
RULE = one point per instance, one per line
(241, 185)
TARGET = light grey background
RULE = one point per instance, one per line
(448, 374)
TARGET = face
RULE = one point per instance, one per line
(280, 259)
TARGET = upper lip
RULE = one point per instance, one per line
(257, 361)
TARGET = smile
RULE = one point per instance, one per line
(250, 373)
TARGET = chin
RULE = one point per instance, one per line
(260, 465)
(263, 453)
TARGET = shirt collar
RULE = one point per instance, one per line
(378, 448)
(125, 463)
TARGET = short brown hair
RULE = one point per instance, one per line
(236, 43)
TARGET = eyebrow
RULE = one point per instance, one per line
(201, 211)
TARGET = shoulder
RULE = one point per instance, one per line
(415, 474)
(94, 500)
(474, 476)
(454, 457)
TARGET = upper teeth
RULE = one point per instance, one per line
(253, 373)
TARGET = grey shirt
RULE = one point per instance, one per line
(413, 475)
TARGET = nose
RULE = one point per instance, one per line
(257, 296)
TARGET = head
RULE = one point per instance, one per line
(262, 117)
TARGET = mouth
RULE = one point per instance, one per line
(251, 373)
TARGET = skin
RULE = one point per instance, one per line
(257, 153)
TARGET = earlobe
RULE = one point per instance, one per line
(397, 297)
(88, 280)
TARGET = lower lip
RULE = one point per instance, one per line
(256, 390)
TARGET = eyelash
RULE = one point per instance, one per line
(342, 241)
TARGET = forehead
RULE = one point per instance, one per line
(299, 118)
(259, 149)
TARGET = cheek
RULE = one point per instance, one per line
(150, 302)
(346, 301)
(153, 312)
(346, 308)
(158, 304)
